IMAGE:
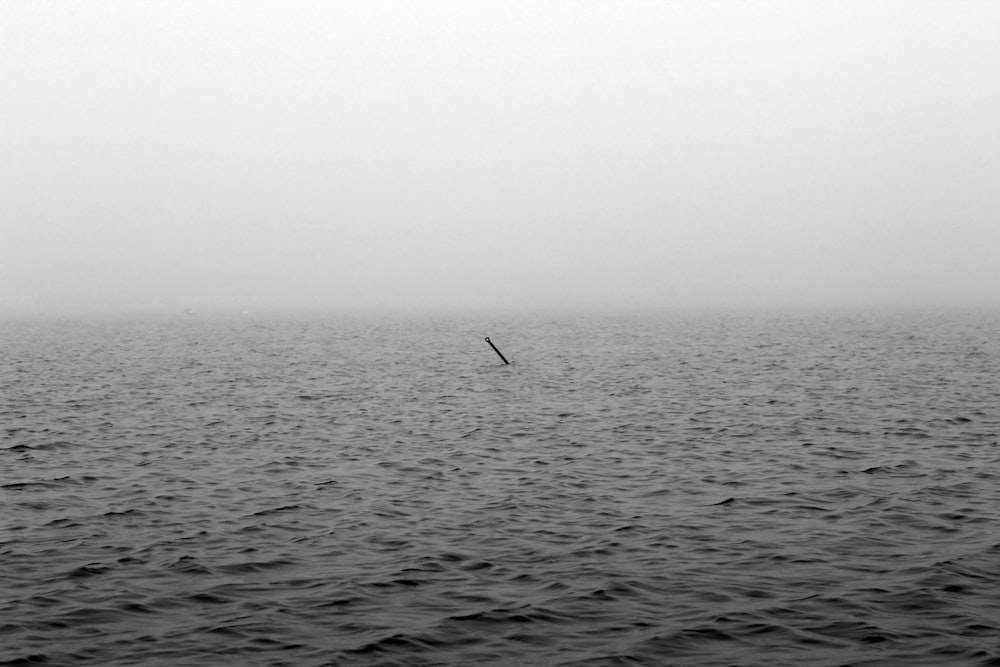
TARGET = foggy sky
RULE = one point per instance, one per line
(228, 156)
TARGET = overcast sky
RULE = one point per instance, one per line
(157, 156)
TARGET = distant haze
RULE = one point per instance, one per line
(416, 156)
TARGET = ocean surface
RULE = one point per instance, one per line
(681, 490)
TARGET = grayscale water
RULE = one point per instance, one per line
(724, 490)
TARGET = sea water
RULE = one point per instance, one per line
(740, 489)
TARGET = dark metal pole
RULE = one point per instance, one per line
(496, 350)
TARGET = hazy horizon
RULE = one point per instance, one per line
(311, 157)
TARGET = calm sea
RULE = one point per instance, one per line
(704, 490)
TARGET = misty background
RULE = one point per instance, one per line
(493, 156)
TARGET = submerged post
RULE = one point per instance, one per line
(496, 350)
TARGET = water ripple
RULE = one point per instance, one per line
(746, 491)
